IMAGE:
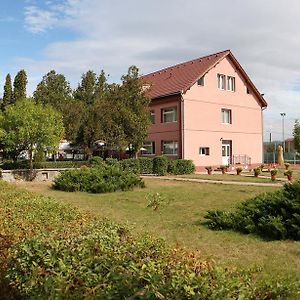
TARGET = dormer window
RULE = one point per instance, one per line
(221, 81)
(200, 81)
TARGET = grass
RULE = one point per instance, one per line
(181, 221)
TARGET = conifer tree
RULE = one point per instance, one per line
(20, 83)
(7, 95)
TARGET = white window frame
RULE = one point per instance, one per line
(226, 115)
(151, 146)
(167, 112)
(231, 83)
(204, 151)
(201, 81)
(221, 82)
(173, 145)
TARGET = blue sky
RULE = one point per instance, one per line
(73, 36)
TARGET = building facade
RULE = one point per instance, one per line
(207, 110)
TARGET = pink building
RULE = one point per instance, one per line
(207, 110)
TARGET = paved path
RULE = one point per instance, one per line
(279, 184)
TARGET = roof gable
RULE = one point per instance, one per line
(179, 78)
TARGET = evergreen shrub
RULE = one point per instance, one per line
(273, 215)
(160, 165)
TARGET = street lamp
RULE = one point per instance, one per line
(283, 115)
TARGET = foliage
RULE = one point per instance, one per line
(28, 125)
(20, 83)
(52, 251)
(257, 171)
(160, 165)
(146, 165)
(131, 165)
(184, 166)
(7, 94)
(273, 215)
(296, 134)
(24, 164)
(274, 172)
(53, 90)
(136, 108)
(100, 179)
(288, 173)
(156, 201)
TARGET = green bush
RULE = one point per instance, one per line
(96, 161)
(273, 215)
(146, 165)
(184, 166)
(24, 164)
(53, 251)
(113, 162)
(160, 165)
(100, 179)
(131, 165)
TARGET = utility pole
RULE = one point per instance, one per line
(283, 142)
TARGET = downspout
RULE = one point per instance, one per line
(262, 128)
(182, 123)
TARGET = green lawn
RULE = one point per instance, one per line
(180, 223)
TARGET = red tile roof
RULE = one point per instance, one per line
(179, 78)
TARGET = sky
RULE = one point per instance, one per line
(73, 36)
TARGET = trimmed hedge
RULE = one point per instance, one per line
(273, 215)
(146, 165)
(160, 165)
(53, 251)
(24, 164)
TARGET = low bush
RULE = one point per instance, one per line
(146, 165)
(184, 166)
(160, 165)
(131, 165)
(273, 215)
(53, 251)
(24, 164)
(100, 179)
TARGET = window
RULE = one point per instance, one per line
(169, 115)
(230, 83)
(152, 116)
(221, 81)
(150, 148)
(200, 81)
(226, 116)
(204, 151)
(170, 147)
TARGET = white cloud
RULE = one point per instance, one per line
(114, 34)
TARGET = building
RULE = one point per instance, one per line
(207, 110)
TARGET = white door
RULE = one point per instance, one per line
(226, 150)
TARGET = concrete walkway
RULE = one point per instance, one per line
(279, 184)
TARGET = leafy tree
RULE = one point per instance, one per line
(8, 93)
(135, 109)
(54, 90)
(29, 126)
(20, 83)
(296, 134)
(85, 91)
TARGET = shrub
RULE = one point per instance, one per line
(172, 167)
(257, 171)
(131, 165)
(184, 166)
(112, 162)
(100, 179)
(273, 215)
(160, 165)
(146, 165)
(96, 160)
(53, 251)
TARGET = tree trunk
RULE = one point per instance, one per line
(30, 164)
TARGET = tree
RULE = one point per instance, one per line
(135, 109)
(8, 93)
(29, 126)
(296, 134)
(20, 83)
(54, 90)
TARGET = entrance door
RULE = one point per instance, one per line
(226, 152)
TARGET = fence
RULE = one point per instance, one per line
(290, 157)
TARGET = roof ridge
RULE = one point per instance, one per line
(185, 62)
